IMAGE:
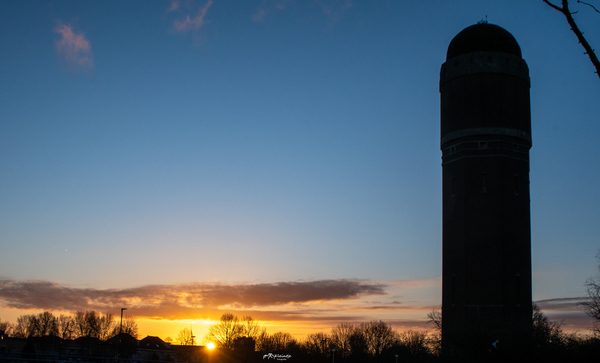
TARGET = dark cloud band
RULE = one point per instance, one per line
(156, 300)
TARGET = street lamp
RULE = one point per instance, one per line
(396, 358)
(121, 326)
(333, 355)
(120, 331)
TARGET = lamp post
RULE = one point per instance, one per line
(333, 354)
(121, 325)
(396, 358)
(120, 331)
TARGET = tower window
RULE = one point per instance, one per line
(453, 289)
(483, 186)
(518, 289)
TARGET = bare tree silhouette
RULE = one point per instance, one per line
(225, 331)
(249, 328)
(591, 306)
(340, 338)
(379, 336)
(185, 337)
(42, 324)
(5, 327)
(564, 9)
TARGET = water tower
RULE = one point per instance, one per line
(485, 142)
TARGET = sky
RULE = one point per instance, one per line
(272, 158)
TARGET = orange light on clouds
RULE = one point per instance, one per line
(298, 308)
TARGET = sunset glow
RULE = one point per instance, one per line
(272, 159)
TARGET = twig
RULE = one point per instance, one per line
(592, 6)
(588, 49)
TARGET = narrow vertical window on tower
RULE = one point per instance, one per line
(483, 187)
(453, 289)
(518, 289)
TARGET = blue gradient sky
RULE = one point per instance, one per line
(261, 142)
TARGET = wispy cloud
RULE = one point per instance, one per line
(565, 303)
(268, 6)
(259, 15)
(334, 8)
(174, 5)
(190, 22)
(566, 311)
(183, 301)
(74, 48)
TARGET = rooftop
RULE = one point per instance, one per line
(483, 37)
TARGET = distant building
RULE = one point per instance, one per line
(85, 349)
(485, 142)
(155, 349)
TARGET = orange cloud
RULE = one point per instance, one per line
(74, 48)
(295, 306)
(183, 300)
(193, 23)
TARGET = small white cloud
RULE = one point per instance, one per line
(74, 48)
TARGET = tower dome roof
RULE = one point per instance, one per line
(483, 37)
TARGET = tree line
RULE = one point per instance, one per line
(362, 342)
(352, 342)
(348, 342)
(81, 324)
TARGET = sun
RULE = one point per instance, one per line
(210, 346)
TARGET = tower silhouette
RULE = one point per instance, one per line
(485, 142)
